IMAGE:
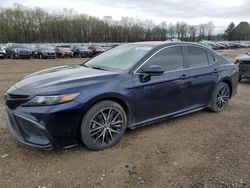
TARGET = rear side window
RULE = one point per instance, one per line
(197, 57)
(211, 59)
(169, 59)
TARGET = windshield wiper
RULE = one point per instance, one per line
(84, 65)
(98, 68)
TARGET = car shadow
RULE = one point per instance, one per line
(81, 149)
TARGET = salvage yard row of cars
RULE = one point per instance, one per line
(22, 51)
(224, 45)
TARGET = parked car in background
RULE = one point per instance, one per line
(96, 50)
(81, 51)
(126, 87)
(44, 52)
(2, 52)
(18, 51)
(243, 61)
(63, 52)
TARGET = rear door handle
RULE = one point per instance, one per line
(184, 76)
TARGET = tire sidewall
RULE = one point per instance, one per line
(85, 136)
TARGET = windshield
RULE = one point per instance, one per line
(18, 46)
(82, 48)
(120, 58)
(46, 48)
(64, 49)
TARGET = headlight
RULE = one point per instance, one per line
(51, 100)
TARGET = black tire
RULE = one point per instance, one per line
(97, 130)
(220, 97)
(12, 56)
(240, 78)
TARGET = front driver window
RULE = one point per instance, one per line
(169, 59)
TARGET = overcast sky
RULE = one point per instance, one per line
(220, 12)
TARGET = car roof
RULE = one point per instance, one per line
(164, 43)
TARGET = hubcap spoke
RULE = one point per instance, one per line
(115, 123)
(97, 123)
(103, 136)
(222, 97)
(111, 136)
(100, 130)
(114, 131)
(96, 129)
(115, 117)
(110, 110)
(98, 137)
(103, 115)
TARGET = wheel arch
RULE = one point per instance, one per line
(118, 98)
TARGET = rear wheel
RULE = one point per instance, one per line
(103, 125)
(220, 97)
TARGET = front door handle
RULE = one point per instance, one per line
(215, 71)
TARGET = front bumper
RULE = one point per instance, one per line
(67, 55)
(46, 127)
(27, 131)
(50, 55)
(25, 56)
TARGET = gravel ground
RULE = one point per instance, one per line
(203, 149)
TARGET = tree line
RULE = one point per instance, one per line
(239, 32)
(25, 25)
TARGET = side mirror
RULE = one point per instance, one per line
(154, 70)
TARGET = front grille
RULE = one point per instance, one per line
(24, 53)
(50, 53)
(29, 128)
(245, 67)
(12, 123)
(14, 101)
(27, 131)
(13, 96)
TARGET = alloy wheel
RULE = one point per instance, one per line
(222, 98)
(106, 126)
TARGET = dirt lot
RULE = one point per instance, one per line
(203, 149)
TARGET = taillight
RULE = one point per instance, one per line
(237, 67)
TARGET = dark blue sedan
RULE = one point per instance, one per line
(127, 87)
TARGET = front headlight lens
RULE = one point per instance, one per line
(51, 100)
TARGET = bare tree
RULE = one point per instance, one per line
(193, 31)
(22, 24)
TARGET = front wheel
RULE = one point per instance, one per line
(103, 125)
(220, 97)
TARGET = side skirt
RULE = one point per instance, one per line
(165, 117)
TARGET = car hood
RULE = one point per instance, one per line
(243, 57)
(85, 51)
(66, 51)
(60, 79)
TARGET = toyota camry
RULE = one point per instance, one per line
(130, 86)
